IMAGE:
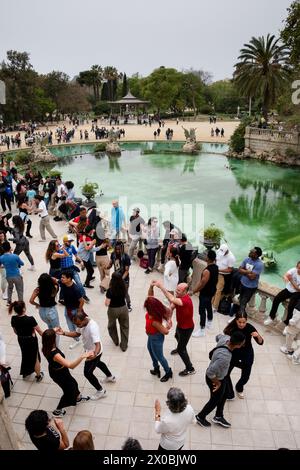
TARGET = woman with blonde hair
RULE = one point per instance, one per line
(83, 441)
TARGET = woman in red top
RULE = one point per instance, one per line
(156, 331)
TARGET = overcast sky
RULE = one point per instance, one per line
(136, 35)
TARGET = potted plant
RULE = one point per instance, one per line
(212, 236)
(89, 190)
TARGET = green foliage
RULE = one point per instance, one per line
(291, 33)
(225, 97)
(101, 108)
(291, 153)
(237, 140)
(55, 174)
(89, 189)
(263, 70)
(22, 157)
(213, 233)
(124, 85)
(101, 147)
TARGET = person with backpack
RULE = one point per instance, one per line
(216, 378)
(242, 358)
(121, 263)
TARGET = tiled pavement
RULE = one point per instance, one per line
(268, 418)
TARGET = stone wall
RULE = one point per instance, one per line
(271, 141)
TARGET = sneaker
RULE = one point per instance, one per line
(62, 302)
(82, 399)
(111, 379)
(29, 236)
(32, 268)
(222, 421)
(88, 286)
(209, 324)
(174, 352)
(129, 309)
(58, 413)
(102, 290)
(285, 331)
(186, 372)
(40, 377)
(285, 350)
(230, 399)
(86, 299)
(199, 333)
(99, 394)
(203, 422)
(240, 395)
(147, 271)
(74, 345)
(268, 321)
(4, 296)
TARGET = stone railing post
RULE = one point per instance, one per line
(251, 307)
(262, 307)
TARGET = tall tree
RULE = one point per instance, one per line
(262, 70)
(124, 85)
(92, 78)
(111, 74)
(290, 35)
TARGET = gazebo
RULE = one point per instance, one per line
(128, 105)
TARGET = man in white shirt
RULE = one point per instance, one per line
(45, 219)
(291, 291)
(89, 330)
(225, 262)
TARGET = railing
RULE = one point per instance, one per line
(265, 292)
(273, 135)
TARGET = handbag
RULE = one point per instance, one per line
(6, 381)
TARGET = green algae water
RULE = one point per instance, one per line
(254, 203)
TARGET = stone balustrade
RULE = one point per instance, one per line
(259, 140)
(273, 135)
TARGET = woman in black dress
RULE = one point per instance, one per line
(26, 328)
(60, 374)
(242, 358)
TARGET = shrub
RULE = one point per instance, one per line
(22, 157)
(213, 233)
(291, 153)
(89, 189)
(55, 174)
(101, 147)
(237, 140)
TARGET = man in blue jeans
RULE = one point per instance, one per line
(12, 264)
(67, 264)
(251, 269)
(73, 302)
(207, 288)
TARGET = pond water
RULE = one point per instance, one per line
(254, 203)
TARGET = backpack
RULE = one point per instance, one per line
(225, 305)
(210, 354)
(6, 380)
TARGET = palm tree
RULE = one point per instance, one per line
(97, 77)
(111, 74)
(263, 70)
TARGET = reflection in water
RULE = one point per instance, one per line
(63, 161)
(114, 163)
(273, 206)
(189, 164)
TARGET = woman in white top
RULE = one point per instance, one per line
(174, 423)
(171, 271)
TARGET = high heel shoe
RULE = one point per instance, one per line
(155, 371)
(168, 376)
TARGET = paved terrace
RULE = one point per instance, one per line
(268, 418)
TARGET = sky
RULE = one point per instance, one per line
(136, 35)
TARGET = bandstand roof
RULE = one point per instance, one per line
(129, 99)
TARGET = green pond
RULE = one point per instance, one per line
(254, 203)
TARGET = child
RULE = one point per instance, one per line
(31, 194)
